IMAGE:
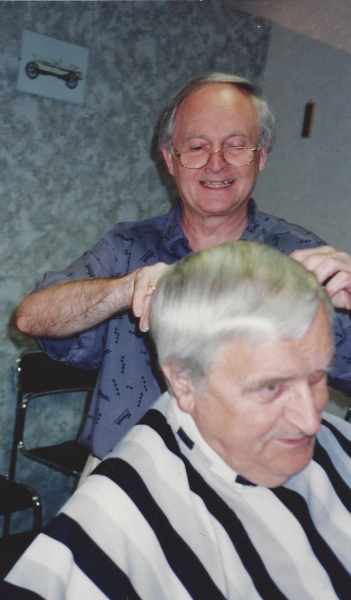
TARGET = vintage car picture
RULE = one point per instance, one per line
(52, 68)
(44, 66)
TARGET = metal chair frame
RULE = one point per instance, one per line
(38, 376)
(16, 497)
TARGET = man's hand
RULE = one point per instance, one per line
(332, 269)
(145, 282)
(67, 308)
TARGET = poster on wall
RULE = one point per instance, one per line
(52, 68)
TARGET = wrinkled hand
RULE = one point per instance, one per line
(332, 269)
(145, 282)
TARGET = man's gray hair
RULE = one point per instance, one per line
(240, 290)
(264, 114)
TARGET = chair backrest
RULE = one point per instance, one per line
(39, 375)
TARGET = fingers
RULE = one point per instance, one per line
(332, 269)
(145, 283)
(338, 289)
(144, 322)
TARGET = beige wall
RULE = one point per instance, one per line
(326, 21)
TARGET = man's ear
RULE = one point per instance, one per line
(263, 158)
(168, 158)
(182, 387)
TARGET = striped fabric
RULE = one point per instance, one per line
(165, 518)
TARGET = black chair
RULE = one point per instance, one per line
(39, 376)
(16, 497)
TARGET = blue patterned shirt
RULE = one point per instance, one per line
(129, 380)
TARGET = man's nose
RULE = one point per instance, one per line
(216, 162)
(304, 409)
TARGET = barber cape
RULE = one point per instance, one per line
(164, 517)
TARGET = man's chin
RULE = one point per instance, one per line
(295, 466)
(287, 466)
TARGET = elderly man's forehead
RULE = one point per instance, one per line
(214, 93)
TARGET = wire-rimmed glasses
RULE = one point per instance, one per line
(235, 156)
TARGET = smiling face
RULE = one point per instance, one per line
(216, 116)
(262, 407)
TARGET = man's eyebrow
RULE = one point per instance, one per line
(203, 135)
(274, 380)
(266, 381)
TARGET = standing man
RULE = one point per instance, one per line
(215, 136)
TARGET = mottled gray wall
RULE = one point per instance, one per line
(69, 172)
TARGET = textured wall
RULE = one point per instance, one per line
(68, 172)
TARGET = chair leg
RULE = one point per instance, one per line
(37, 517)
(6, 526)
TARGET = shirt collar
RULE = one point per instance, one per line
(260, 224)
(253, 230)
(177, 243)
(174, 238)
(183, 425)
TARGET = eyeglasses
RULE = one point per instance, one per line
(235, 156)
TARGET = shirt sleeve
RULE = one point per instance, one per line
(340, 376)
(105, 259)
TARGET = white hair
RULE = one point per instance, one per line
(241, 290)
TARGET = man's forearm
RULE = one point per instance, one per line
(64, 309)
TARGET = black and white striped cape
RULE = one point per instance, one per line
(166, 519)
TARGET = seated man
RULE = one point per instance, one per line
(232, 485)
